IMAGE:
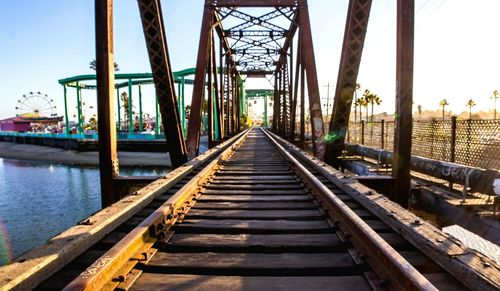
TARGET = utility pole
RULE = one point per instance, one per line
(327, 98)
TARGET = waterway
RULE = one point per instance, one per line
(39, 200)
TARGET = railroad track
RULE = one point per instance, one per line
(254, 218)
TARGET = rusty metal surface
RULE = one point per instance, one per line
(193, 134)
(404, 100)
(154, 227)
(156, 42)
(480, 180)
(388, 263)
(473, 269)
(352, 49)
(309, 63)
(105, 76)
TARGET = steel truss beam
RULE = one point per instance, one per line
(108, 160)
(352, 49)
(256, 46)
(404, 99)
(154, 32)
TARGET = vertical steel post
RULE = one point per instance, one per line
(295, 91)
(228, 93)
(130, 112)
(453, 143)
(79, 105)
(265, 110)
(210, 90)
(277, 102)
(221, 91)
(108, 161)
(362, 132)
(66, 118)
(179, 96)
(215, 89)
(404, 96)
(193, 136)
(140, 110)
(119, 127)
(302, 100)
(382, 134)
(312, 83)
(157, 117)
(183, 105)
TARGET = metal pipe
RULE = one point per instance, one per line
(480, 180)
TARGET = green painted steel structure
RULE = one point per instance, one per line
(132, 79)
(140, 79)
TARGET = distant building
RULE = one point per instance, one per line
(24, 124)
(18, 124)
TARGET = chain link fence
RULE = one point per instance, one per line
(473, 143)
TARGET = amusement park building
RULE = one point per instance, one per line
(18, 124)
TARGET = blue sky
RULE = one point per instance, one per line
(456, 47)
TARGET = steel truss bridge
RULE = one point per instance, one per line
(255, 211)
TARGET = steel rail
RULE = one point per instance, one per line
(35, 266)
(398, 273)
(123, 256)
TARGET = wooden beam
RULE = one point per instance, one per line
(105, 76)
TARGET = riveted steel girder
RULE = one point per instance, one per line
(108, 159)
(352, 49)
(404, 99)
(156, 42)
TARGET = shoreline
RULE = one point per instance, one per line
(16, 151)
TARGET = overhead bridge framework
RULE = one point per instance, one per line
(251, 45)
(237, 42)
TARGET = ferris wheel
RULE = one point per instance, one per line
(35, 105)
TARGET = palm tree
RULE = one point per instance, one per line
(374, 99)
(370, 98)
(92, 65)
(470, 103)
(495, 96)
(357, 102)
(443, 103)
(364, 102)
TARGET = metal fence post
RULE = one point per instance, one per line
(453, 142)
(362, 132)
(382, 142)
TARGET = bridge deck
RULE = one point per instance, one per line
(252, 217)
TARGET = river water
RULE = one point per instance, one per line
(39, 200)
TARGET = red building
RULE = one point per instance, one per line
(18, 124)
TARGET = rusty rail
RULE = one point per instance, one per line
(133, 247)
(386, 261)
(473, 269)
